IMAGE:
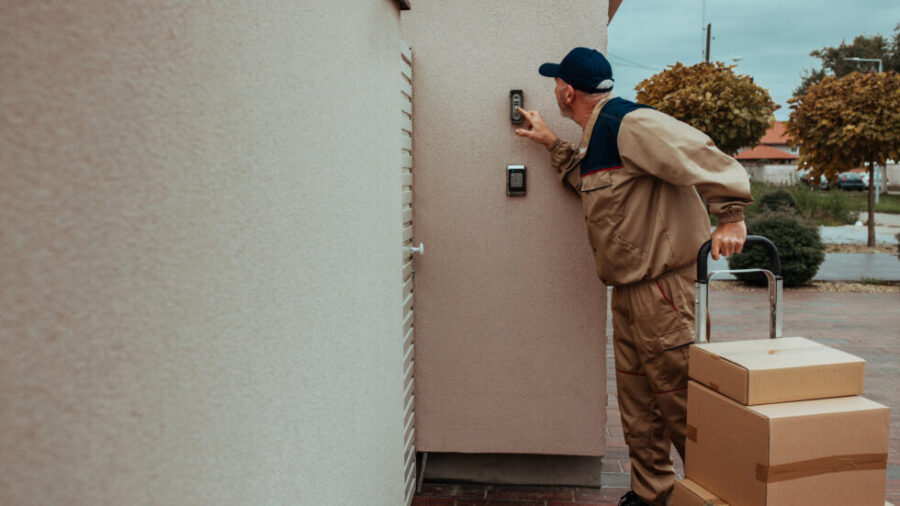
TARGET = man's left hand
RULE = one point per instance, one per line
(728, 238)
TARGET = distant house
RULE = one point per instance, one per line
(776, 137)
(772, 160)
(772, 149)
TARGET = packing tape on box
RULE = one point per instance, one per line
(691, 433)
(771, 351)
(814, 467)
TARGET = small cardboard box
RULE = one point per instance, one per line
(689, 493)
(825, 451)
(764, 371)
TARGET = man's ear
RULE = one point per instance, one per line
(570, 94)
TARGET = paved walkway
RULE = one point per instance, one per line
(858, 234)
(842, 267)
(851, 266)
(866, 325)
(886, 219)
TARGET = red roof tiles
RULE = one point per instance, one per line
(775, 135)
(765, 153)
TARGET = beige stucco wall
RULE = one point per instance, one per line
(199, 253)
(510, 315)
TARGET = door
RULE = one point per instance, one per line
(509, 315)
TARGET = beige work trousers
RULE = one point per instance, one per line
(653, 324)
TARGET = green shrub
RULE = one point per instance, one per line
(799, 246)
(777, 200)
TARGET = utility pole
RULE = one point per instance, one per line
(708, 30)
(703, 26)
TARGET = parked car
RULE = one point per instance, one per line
(850, 181)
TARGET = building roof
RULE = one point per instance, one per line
(775, 135)
(765, 153)
(613, 7)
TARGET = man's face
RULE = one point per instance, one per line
(562, 93)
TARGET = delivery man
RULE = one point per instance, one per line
(638, 173)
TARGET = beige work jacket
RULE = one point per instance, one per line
(646, 218)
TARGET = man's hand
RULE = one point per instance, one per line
(537, 130)
(728, 238)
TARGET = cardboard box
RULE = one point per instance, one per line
(825, 451)
(689, 493)
(764, 371)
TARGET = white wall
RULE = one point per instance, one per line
(893, 175)
(199, 268)
(775, 174)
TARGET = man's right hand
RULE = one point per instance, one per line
(536, 128)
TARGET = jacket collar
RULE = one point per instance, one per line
(589, 126)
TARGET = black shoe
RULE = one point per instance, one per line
(632, 499)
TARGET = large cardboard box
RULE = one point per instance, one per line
(763, 371)
(822, 452)
(689, 493)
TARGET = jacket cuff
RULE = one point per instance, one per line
(553, 148)
(731, 215)
(558, 153)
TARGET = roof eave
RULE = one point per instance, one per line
(613, 7)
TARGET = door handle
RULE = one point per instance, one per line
(420, 249)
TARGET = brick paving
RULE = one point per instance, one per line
(864, 324)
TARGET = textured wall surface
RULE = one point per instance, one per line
(199, 253)
(510, 315)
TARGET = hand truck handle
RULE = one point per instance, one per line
(703, 255)
(701, 294)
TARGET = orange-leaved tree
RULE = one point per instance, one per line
(730, 108)
(846, 122)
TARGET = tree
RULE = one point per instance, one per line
(809, 78)
(847, 122)
(893, 60)
(834, 62)
(729, 108)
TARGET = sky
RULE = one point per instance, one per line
(772, 38)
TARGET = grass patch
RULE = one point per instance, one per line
(822, 207)
(859, 201)
(829, 208)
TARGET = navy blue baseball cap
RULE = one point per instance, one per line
(585, 69)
